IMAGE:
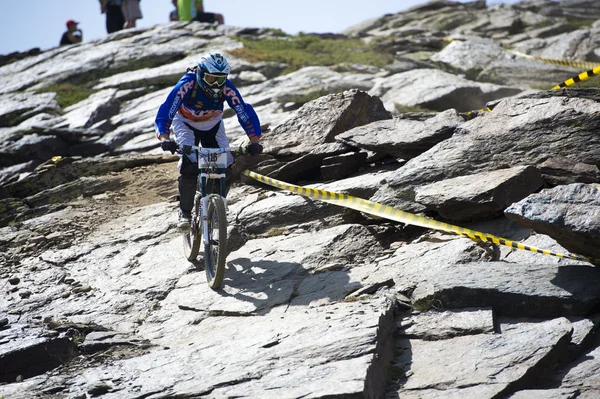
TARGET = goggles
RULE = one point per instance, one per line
(214, 80)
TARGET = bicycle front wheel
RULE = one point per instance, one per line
(215, 247)
(192, 237)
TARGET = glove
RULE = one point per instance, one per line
(169, 145)
(254, 149)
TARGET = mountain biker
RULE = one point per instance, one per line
(194, 110)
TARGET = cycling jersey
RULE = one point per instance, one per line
(187, 9)
(203, 112)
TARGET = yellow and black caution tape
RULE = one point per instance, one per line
(579, 78)
(568, 63)
(586, 65)
(591, 68)
(476, 112)
(398, 215)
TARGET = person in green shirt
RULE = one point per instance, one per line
(193, 10)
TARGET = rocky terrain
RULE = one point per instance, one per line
(319, 301)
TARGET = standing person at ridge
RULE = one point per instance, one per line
(194, 108)
(193, 10)
(131, 12)
(73, 35)
(114, 15)
(174, 15)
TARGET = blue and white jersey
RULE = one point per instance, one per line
(203, 112)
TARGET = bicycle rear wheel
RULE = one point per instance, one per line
(215, 249)
(193, 237)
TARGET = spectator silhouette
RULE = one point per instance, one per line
(73, 35)
(174, 15)
(132, 12)
(193, 10)
(114, 14)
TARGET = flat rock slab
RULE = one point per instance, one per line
(585, 373)
(547, 394)
(480, 196)
(517, 290)
(434, 325)
(28, 356)
(403, 137)
(569, 214)
(309, 353)
(490, 364)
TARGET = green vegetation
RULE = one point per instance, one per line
(308, 50)
(403, 109)
(276, 231)
(427, 303)
(580, 23)
(68, 94)
(303, 98)
(12, 118)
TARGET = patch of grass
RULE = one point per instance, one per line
(401, 108)
(310, 50)
(67, 93)
(276, 231)
(428, 303)
(580, 23)
(303, 98)
(12, 118)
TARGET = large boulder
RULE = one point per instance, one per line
(437, 90)
(569, 214)
(521, 131)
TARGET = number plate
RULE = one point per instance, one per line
(213, 160)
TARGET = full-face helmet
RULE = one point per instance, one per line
(212, 73)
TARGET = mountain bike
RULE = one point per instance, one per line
(208, 225)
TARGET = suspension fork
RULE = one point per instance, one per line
(204, 199)
(204, 207)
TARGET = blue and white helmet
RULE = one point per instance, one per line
(212, 73)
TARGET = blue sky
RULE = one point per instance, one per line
(25, 24)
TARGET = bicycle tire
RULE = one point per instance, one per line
(215, 249)
(193, 237)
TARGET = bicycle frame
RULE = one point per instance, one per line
(212, 163)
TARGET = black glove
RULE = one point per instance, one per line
(169, 145)
(254, 149)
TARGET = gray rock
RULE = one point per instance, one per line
(98, 107)
(313, 291)
(513, 289)
(434, 325)
(320, 121)
(562, 170)
(479, 196)
(437, 90)
(487, 61)
(29, 356)
(546, 394)
(403, 137)
(569, 214)
(583, 373)
(491, 141)
(17, 107)
(491, 362)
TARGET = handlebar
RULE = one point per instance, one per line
(187, 149)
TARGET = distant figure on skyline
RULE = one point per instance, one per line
(132, 12)
(114, 14)
(193, 10)
(73, 35)
(174, 15)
